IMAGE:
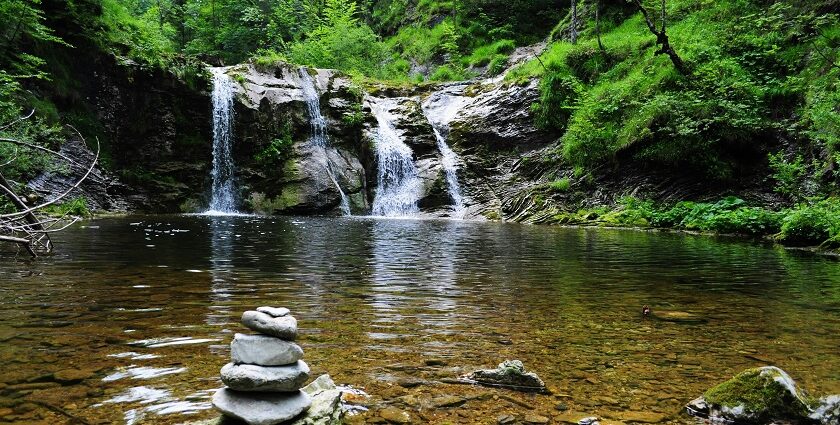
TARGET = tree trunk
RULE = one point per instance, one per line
(598, 26)
(573, 31)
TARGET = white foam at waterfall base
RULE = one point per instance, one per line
(398, 184)
(223, 196)
(319, 137)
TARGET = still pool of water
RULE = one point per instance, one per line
(130, 320)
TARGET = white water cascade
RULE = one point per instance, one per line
(440, 109)
(449, 161)
(398, 184)
(223, 196)
(319, 138)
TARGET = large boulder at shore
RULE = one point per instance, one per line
(757, 396)
(262, 408)
(252, 378)
(510, 374)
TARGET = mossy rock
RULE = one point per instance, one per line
(755, 396)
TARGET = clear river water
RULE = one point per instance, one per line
(130, 320)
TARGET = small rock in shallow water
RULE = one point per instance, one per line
(447, 401)
(274, 311)
(395, 416)
(72, 376)
(263, 408)
(535, 419)
(506, 419)
(677, 317)
(264, 350)
(251, 378)
(282, 327)
(509, 374)
(592, 420)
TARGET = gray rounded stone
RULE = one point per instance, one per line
(264, 350)
(252, 378)
(262, 408)
(274, 311)
(284, 327)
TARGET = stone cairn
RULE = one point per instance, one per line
(265, 376)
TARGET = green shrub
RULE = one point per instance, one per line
(788, 174)
(497, 65)
(74, 207)
(559, 98)
(811, 224)
(278, 150)
(562, 185)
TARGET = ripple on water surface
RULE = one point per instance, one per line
(395, 307)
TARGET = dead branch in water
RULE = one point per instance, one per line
(27, 226)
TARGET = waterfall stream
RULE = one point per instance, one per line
(440, 109)
(398, 184)
(319, 138)
(223, 196)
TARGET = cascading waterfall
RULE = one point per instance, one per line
(319, 131)
(449, 161)
(439, 117)
(223, 197)
(398, 183)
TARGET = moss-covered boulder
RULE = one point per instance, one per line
(756, 396)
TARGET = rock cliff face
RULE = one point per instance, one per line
(488, 125)
(157, 142)
(154, 131)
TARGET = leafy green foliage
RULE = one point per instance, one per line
(76, 207)
(278, 150)
(815, 223)
(811, 224)
(561, 185)
(771, 72)
(788, 174)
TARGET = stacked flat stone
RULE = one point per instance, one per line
(265, 376)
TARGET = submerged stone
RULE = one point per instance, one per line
(509, 374)
(264, 350)
(284, 327)
(395, 416)
(261, 408)
(252, 378)
(677, 316)
(274, 311)
(759, 395)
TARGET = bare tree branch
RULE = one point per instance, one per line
(23, 227)
(662, 37)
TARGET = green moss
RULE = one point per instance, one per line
(760, 394)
